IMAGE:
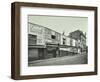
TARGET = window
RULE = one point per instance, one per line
(64, 41)
(32, 39)
(53, 36)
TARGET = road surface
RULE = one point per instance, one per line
(65, 60)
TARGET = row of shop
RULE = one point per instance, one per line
(44, 43)
(38, 52)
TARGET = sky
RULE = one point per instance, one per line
(61, 23)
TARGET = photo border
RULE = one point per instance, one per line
(15, 39)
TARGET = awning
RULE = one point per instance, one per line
(36, 46)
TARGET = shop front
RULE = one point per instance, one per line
(36, 52)
(52, 50)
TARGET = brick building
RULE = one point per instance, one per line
(80, 37)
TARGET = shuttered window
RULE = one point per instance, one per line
(32, 39)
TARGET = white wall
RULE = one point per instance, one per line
(38, 31)
(5, 42)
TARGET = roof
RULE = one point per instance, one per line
(76, 34)
(44, 27)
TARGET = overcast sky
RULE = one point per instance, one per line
(61, 23)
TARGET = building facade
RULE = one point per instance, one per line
(68, 45)
(80, 37)
(42, 42)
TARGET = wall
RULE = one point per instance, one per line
(5, 42)
(38, 31)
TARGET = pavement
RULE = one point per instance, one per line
(65, 60)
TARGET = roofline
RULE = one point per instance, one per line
(44, 27)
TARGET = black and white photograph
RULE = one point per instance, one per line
(57, 40)
(53, 40)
